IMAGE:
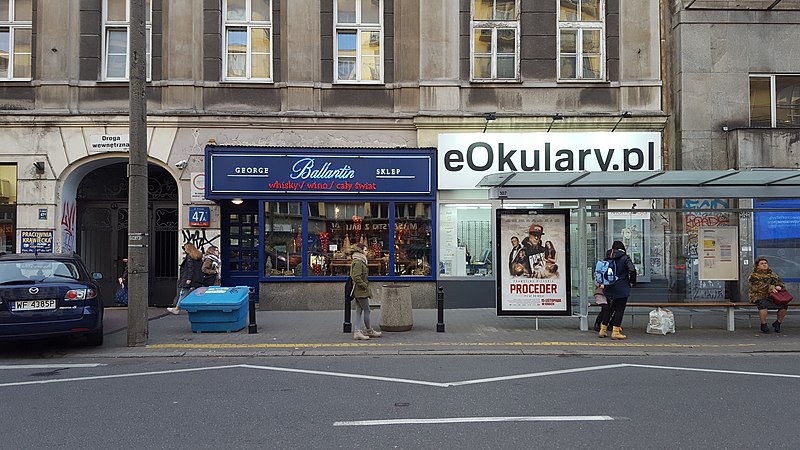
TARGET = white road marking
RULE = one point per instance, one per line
(349, 375)
(730, 372)
(378, 378)
(120, 375)
(356, 423)
(49, 366)
(537, 374)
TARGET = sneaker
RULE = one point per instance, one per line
(777, 326)
(765, 328)
(372, 333)
(174, 310)
(359, 336)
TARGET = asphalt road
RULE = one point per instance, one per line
(439, 402)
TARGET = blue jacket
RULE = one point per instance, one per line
(626, 272)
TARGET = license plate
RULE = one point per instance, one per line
(31, 305)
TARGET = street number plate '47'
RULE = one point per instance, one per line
(30, 305)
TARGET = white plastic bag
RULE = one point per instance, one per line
(662, 321)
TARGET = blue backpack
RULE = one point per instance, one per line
(605, 272)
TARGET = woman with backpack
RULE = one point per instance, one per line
(617, 293)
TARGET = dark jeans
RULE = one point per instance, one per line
(600, 315)
(615, 310)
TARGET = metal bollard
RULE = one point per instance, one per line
(440, 310)
(252, 328)
(347, 327)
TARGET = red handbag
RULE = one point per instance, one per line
(780, 298)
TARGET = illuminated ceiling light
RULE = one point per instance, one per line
(237, 201)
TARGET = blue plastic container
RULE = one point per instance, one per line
(217, 309)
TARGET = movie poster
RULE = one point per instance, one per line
(533, 262)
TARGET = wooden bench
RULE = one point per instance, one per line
(730, 308)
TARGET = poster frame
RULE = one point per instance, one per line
(502, 272)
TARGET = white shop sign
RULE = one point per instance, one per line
(463, 159)
(100, 143)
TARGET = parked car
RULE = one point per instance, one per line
(49, 295)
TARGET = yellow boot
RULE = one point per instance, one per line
(616, 333)
(603, 331)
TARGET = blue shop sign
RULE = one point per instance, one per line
(36, 241)
(237, 171)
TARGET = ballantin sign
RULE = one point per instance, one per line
(255, 171)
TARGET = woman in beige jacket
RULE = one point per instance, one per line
(361, 292)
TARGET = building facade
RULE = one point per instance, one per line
(370, 82)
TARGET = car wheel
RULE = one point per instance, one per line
(95, 339)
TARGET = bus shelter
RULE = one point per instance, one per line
(692, 234)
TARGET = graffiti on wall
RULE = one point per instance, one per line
(201, 238)
(693, 221)
(68, 208)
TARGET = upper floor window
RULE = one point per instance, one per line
(116, 42)
(358, 40)
(248, 40)
(15, 39)
(581, 40)
(495, 40)
(775, 101)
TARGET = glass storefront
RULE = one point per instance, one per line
(465, 240)
(8, 207)
(314, 205)
(398, 244)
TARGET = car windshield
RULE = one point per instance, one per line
(39, 270)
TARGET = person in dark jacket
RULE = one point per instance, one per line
(190, 277)
(617, 293)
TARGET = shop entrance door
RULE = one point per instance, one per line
(240, 244)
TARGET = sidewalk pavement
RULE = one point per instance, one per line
(467, 331)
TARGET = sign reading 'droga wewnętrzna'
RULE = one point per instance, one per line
(465, 158)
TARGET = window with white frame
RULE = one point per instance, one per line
(116, 42)
(495, 40)
(581, 39)
(15, 39)
(358, 41)
(248, 40)
(775, 101)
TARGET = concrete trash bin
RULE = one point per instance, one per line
(396, 312)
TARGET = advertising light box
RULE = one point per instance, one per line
(262, 171)
(533, 274)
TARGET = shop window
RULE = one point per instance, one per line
(465, 241)
(8, 207)
(283, 238)
(412, 239)
(15, 40)
(243, 242)
(334, 226)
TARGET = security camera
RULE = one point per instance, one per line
(181, 164)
